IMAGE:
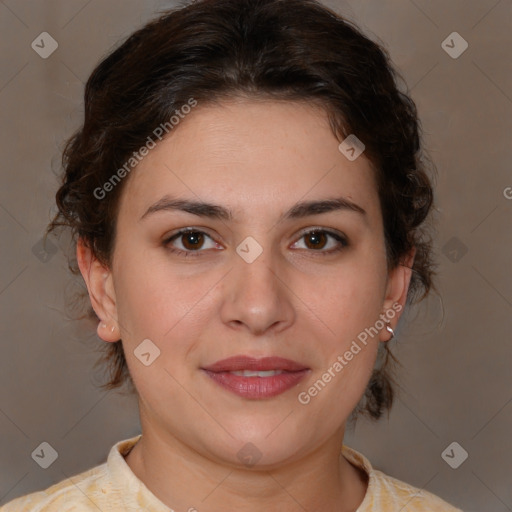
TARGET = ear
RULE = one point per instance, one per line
(396, 291)
(101, 291)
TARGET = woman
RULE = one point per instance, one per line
(248, 203)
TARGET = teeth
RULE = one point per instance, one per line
(249, 373)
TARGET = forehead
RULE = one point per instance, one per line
(250, 155)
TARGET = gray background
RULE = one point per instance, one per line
(455, 347)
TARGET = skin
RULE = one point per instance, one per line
(257, 158)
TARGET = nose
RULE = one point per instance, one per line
(257, 296)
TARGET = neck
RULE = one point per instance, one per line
(184, 479)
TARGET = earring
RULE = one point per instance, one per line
(390, 330)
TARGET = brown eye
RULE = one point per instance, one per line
(315, 239)
(192, 240)
(318, 239)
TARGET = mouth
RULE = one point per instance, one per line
(263, 364)
(254, 378)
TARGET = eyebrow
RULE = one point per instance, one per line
(214, 211)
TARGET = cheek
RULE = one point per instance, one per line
(349, 299)
(148, 295)
(156, 303)
(346, 311)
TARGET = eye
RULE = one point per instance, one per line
(317, 239)
(191, 241)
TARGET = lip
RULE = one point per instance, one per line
(237, 363)
(256, 388)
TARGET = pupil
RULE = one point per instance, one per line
(316, 238)
(193, 239)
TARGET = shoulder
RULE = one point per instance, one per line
(82, 492)
(386, 493)
(109, 486)
(395, 493)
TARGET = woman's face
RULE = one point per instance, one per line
(253, 283)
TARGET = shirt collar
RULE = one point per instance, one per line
(134, 493)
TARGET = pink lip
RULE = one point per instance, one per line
(237, 363)
(256, 387)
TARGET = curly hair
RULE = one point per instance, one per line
(291, 50)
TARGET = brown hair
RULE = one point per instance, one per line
(209, 50)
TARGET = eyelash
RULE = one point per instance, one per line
(342, 240)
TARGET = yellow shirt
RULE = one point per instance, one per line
(113, 487)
